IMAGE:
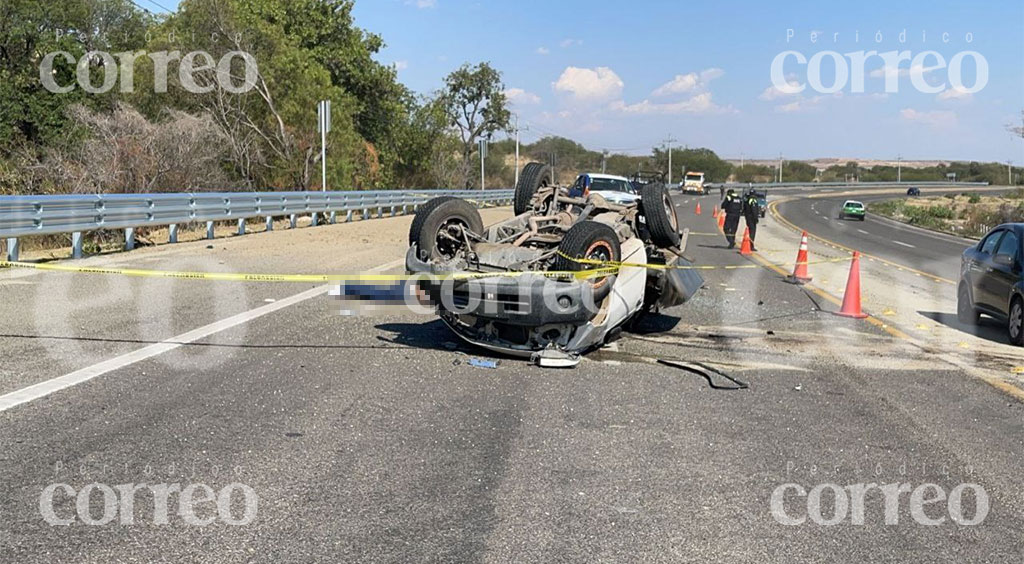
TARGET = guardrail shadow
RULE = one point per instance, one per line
(988, 328)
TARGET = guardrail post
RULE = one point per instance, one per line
(314, 219)
(129, 238)
(380, 212)
(270, 223)
(292, 221)
(241, 226)
(366, 214)
(393, 211)
(76, 245)
(405, 209)
(348, 216)
(209, 230)
(334, 217)
(173, 237)
(12, 249)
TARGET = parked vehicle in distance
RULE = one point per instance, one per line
(762, 202)
(991, 281)
(913, 191)
(615, 189)
(693, 183)
(852, 208)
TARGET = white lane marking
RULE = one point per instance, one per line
(42, 389)
(864, 232)
(908, 245)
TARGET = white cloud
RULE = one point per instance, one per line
(901, 72)
(570, 42)
(773, 93)
(688, 82)
(520, 96)
(681, 83)
(801, 104)
(707, 75)
(401, 65)
(593, 85)
(698, 104)
(421, 3)
(937, 118)
(542, 51)
(954, 94)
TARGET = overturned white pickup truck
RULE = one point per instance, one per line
(516, 286)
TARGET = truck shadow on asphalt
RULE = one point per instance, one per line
(433, 335)
(988, 328)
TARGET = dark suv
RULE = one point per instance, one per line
(990, 280)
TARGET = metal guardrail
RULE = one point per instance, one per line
(22, 216)
(906, 183)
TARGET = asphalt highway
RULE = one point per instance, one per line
(935, 253)
(373, 439)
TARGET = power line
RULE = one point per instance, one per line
(162, 7)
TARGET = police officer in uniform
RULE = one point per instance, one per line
(751, 214)
(733, 208)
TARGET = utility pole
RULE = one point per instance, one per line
(604, 161)
(517, 147)
(668, 142)
(899, 168)
(780, 168)
(741, 160)
(323, 114)
(1009, 173)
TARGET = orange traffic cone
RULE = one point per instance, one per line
(745, 247)
(721, 220)
(714, 212)
(696, 211)
(851, 299)
(800, 275)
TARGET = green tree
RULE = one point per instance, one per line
(474, 100)
(32, 29)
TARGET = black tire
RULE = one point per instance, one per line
(965, 312)
(589, 240)
(657, 208)
(435, 216)
(1015, 322)
(421, 214)
(533, 177)
(862, 218)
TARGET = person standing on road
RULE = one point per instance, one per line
(721, 192)
(751, 214)
(733, 208)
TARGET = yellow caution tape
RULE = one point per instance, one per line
(303, 278)
(692, 266)
(603, 268)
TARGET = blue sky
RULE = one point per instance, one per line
(625, 75)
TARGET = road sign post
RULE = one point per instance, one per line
(483, 155)
(323, 114)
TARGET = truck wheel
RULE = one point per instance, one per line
(435, 224)
(660, 214)
(593, 241)
(533, 177)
